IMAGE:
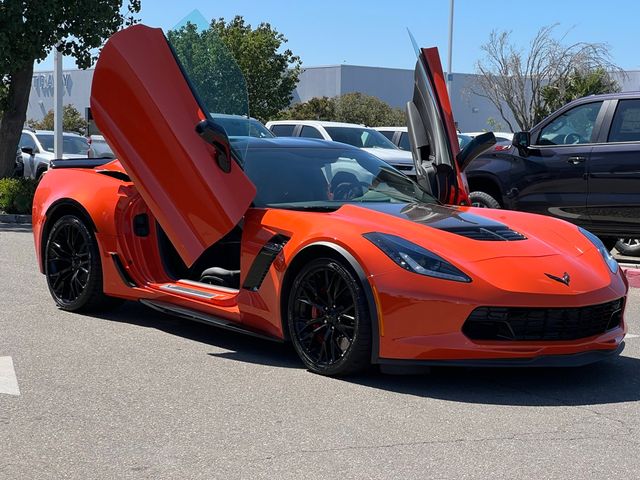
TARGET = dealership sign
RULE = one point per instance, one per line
(42, 84)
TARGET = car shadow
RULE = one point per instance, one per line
(240, 347)
(614, 380)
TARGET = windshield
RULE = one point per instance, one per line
(71, 145)
(360, 137)
(237, 126)
(324, 179)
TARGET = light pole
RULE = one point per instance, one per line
(450, 53)
(57, 103)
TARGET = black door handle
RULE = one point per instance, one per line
(576, 160)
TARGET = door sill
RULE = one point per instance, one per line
(205, 318)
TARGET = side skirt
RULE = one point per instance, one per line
(205, 318)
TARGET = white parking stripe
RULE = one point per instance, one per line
(631, 335)
(8, 380)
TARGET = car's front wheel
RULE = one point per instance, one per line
(72, 267)
(328, 319)
(629, 246)
(483, 200)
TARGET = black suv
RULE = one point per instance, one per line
(581, 164)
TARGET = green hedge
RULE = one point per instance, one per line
(16, 195)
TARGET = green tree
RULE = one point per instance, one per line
(371, 111)
(72, 121)
(578, 84)
(216, 60)
(318, 108)
(29, 31)
(353, 107)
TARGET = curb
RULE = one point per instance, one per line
(14, 218)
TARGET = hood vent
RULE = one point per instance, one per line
(489, 233)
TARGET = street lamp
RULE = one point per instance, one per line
(450, 53)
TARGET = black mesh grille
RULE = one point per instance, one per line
(495, 234)
(506, 323)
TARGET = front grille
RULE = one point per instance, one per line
(489, 233)
(527, 324)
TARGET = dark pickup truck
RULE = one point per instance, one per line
(581, 164)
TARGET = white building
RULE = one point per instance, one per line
(392, 85)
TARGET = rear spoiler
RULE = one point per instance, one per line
(79, 162)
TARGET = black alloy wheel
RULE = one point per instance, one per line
(72, 267)
(328, 320)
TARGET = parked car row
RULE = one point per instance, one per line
(359, 136)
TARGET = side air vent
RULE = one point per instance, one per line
(491, 234)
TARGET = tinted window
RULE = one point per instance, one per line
(360, 137)
(238, 126)
(310, 132)
(27, 141)
(404, 143)
(326, 179)
(71, 145)
(572, 127)
(283, 130)
(387, 133)
(626, 122)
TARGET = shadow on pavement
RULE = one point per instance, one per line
(241, 348)
(614, 380)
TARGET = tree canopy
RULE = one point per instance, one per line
(240, 61)
(352, 107)
(515, 79)
(29, 31)
(72, 121)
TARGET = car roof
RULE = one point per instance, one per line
(392, 129)
(316, 123)
(228, 115)
(51, 132)
(288, 142)
(609, 96)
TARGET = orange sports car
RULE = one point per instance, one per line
(313, 242)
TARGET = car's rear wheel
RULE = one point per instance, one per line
(72, 267)
(328, 319)
(483, 200)
(629, 246)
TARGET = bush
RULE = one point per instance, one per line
(16, 195)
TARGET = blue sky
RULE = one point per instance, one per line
(372, 32)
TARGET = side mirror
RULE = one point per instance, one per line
(27, 150)
(215, 135)
(521, 140)
(474, 148)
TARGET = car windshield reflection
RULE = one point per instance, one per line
(324, 179)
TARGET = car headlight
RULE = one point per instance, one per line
(606, 254)
(415, 258)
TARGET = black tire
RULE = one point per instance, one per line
(483, 200)
(328, 320)
(73, 269)
(629, 246)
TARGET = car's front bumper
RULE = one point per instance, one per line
(564, 360)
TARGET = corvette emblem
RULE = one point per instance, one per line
(565, 278)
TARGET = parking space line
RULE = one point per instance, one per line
(8, 380)
(631, 335)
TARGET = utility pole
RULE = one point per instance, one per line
(450, 53)
(57, 103)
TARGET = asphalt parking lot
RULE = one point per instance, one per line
(137, 394)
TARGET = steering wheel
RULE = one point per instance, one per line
(572, 139)
(347, 191)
